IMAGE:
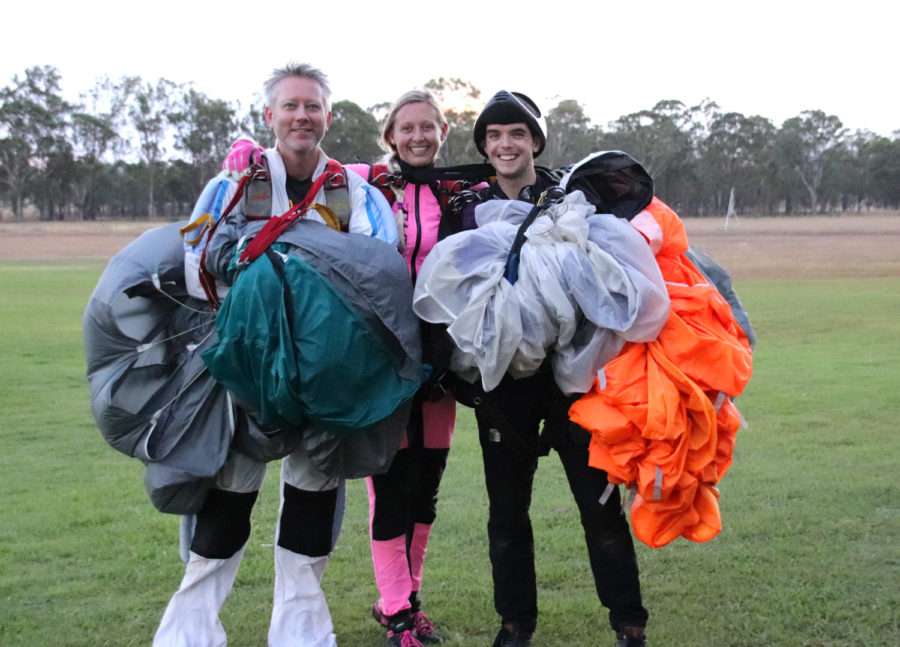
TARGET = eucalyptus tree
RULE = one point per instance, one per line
(662, 140)
(204, 130)
(178, 188)
(353, 134)
(97, 132)
(33, 122)
(253, 122)
(122, 189)
(880, 160)
(461, 101)
(149, 111)
(807, 146)
(91, 135)
(737, 155)
(571, 136)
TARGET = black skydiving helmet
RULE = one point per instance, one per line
(510, 108)
(613, 181)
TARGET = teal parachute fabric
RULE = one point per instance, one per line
(297, 352)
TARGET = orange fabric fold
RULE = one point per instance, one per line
(661, 414)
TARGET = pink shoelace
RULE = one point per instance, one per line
(423, 624)
(408, 640)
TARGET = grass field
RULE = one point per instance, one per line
(809, 554)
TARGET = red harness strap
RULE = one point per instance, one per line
(334, 174)
(207, 280)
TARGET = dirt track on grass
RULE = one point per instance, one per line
(771, 247)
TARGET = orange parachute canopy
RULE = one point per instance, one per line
(661, 415)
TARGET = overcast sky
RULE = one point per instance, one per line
(768, 58)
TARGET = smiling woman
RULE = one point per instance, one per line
(416, 135)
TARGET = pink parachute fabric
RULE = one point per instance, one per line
(661, 414)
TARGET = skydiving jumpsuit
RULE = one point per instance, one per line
(403, 501)
(306, 521)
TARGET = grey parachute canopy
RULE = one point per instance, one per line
(719, 277)
(154, 399)
(151, 395)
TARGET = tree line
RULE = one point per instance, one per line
(132, 148)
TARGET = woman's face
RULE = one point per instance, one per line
(417, 134)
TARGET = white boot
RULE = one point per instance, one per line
(192, 617)
(300, 616)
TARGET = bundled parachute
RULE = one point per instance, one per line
(661, 414)
(151, 394)
(590, 300)
(310, 339)
(316, 351)
(584, 285)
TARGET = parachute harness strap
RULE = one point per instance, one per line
(203, 223)
(607, 492)
(157, 284)
(207, 280)
(156, 414)
(548, 198)
(276, 225)
(658, 484)
(330, 217)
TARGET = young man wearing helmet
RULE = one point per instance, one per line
(510, 132)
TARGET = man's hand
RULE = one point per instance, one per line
(244, 153)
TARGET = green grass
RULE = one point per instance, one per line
(808, 555)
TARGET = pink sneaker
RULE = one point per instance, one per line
(424, 629)
(402, 639)
(378, 614)
(401, 627)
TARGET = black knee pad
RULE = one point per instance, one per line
(223, 524)
(307, 521)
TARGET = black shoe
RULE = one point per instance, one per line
(510, 636)
(400, 630)
(631, 637)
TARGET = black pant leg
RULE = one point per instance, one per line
(509, 467)
(606, 532)
(429, 470)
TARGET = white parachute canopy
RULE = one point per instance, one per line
(587, 283)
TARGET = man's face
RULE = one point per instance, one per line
(510, 149)
(298, 116)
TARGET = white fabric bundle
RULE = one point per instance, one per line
(587, 283)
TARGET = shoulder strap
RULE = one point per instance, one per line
(207, 280)
(337, 193)
(381, 178)
(547, 198)
(446, 189)
(275, 226)
(469, 172)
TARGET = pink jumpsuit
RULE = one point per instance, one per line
(402, 502)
